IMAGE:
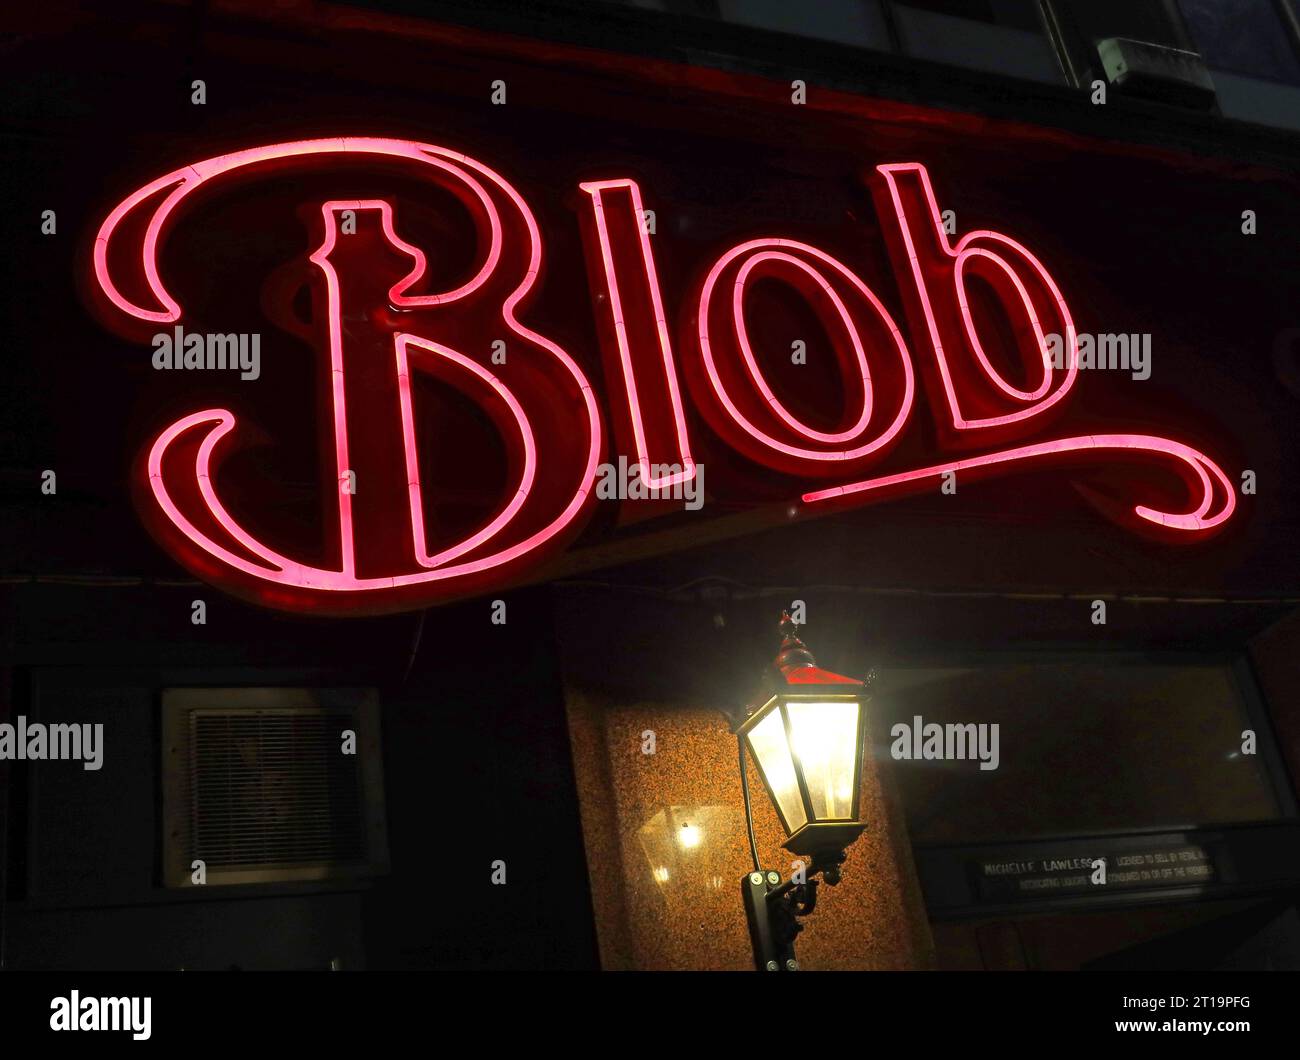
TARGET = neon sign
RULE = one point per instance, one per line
(381, 331)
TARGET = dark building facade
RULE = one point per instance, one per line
(966, 332)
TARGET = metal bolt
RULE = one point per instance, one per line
(772, 966)
(792, 965)
(756, 878)
(773, 878)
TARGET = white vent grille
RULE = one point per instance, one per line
(258, 787)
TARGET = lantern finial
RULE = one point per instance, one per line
(794, 653)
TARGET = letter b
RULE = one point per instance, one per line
(1013, 295)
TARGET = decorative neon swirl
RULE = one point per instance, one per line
(1205, 468)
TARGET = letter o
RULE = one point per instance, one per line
(737, 397)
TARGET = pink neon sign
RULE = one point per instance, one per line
(380, 336)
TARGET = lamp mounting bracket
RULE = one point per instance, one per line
(774, 910)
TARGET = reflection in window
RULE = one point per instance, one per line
(1245, 37)
(1086, 744)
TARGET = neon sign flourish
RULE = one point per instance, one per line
(382, 332)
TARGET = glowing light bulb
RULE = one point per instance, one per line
(825, 742)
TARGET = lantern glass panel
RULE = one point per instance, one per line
(825, 738)
(772, 752)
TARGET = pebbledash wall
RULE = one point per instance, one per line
(663, 904)
(522, 741)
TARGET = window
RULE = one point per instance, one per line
(1085, 744)
(1246, 37)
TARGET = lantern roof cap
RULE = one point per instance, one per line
(793, 668)
(795, 663)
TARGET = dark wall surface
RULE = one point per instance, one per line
(476, 756)
(476, 763)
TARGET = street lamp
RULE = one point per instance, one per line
(806, 730)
